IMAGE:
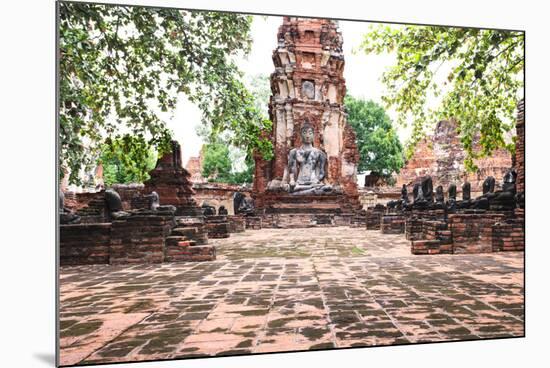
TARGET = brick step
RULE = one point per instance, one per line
(179, 241)
(188, 232)
(190, 254)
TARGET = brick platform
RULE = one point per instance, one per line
(472, 233)
(193, 228)
(253, 222)
(413, 228)
(139, 238)
(392, 224)
(237, 224)
(82, 244)
(373, 217)
(508, 236)
(216, 226)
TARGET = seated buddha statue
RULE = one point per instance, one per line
(306, 166)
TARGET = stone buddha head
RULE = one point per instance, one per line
(307, 133)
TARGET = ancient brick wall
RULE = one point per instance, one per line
(520, 147)
(217, 227)
(127, 193)
(392, 224)
(82, 244)
(139, 238)
(473, 233)
(508, 236)
(194, 167)
(218, 194)
(441, 156)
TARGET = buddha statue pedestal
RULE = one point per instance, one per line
(303, 198)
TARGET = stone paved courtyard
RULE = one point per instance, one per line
(279, 290)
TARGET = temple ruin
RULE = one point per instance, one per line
(441, 156)
(308, 90)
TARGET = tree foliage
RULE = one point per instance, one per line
(217, 165)
(119, 65)
(481, 89)
(127, 160)
(379, 147)
(259, 87)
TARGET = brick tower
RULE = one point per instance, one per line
(308, 85)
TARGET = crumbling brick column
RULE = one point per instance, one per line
(520, 148)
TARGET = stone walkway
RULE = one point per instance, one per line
(279, 290)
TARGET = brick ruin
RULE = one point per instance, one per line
(491, 222)
(441, 157)
(218, 194)
(172, 183)
(194, 166)
(308, 85)
(136, 231)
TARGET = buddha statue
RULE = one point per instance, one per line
(66, 216)
(451, 202)
(208, 210)
(154, 201)
(439, 198)
(505, 199)
(423, 198)
(306, 167)
(466, 201)
(482, 202)
(114, 205)
(243, 204)
(404, 197)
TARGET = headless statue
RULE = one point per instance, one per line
(505, 199)
(482, 202)
(439, 198)
(451, 202)
(66, 216)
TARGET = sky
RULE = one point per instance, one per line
(362, 73)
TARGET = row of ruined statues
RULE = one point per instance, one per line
(505, 199)
(114, 210)
(113, 206)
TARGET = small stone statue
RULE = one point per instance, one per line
(154, 201)
(482, 202)
(392, 205)
(208, 210)
(222, 211)
(439, 198)
(424, 197)
(66, 217)
(306, 166)
(243, 204)
(114, 205)
(466, 191)
(505, 199)
(466, 201)
(416, 190)
(404, 196)
(451, 202)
